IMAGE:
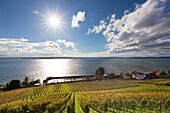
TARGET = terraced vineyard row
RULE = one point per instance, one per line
(143, 102)
(50, 103)
(120, 96)
(97, 85)
(19, 94)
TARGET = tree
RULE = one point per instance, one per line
(111, 75)
(127, 74)
(154, 72)
(130, 76)
(34, 82)
(169, 71)
(100, 73)
(14, 84)
(26, 81)
(7, 85)
(45, 82)
(37, 81)
(161, 74)
(151, 76)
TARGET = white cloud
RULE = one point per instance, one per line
(98, 28)
(75, 19)
(61, 41)
(125, 12)
(9, 41)
(75, 50)
(141, 32)
(70, 44)
(67, 44)
(22, 47)
(35, 12)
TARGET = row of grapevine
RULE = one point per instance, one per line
(50, 103)
(103, 102)
(15, 95)
(71, 104)
(40, 91)
(83, 102)
(59, 103)
(69, 97)
(139, 89)
(96, 85)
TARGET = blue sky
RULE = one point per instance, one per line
(86, 28)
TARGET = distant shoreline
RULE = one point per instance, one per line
(84, 57)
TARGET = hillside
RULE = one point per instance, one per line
(98, 96)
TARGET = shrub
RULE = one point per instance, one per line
(168, 75)
(14, 84)
(111, 75)
(161, 74)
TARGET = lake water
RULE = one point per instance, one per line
(42, 68)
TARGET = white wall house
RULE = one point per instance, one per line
(138, 75)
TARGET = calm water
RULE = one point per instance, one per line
(42, 68)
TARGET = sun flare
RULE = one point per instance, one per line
(54, 21)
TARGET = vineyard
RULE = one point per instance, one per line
(106, 96)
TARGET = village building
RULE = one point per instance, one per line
(138, 75)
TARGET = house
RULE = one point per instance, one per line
(106, 76)
(137, 75)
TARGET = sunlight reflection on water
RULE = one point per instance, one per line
(55, 67)
(18, 69)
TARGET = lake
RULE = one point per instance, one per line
(42, 68)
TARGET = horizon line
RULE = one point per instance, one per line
(81, 57)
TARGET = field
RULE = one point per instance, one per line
(116, 95)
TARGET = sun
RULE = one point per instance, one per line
(54, 21)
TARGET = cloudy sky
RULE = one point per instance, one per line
(84, 28)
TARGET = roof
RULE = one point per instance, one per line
(137, 73)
